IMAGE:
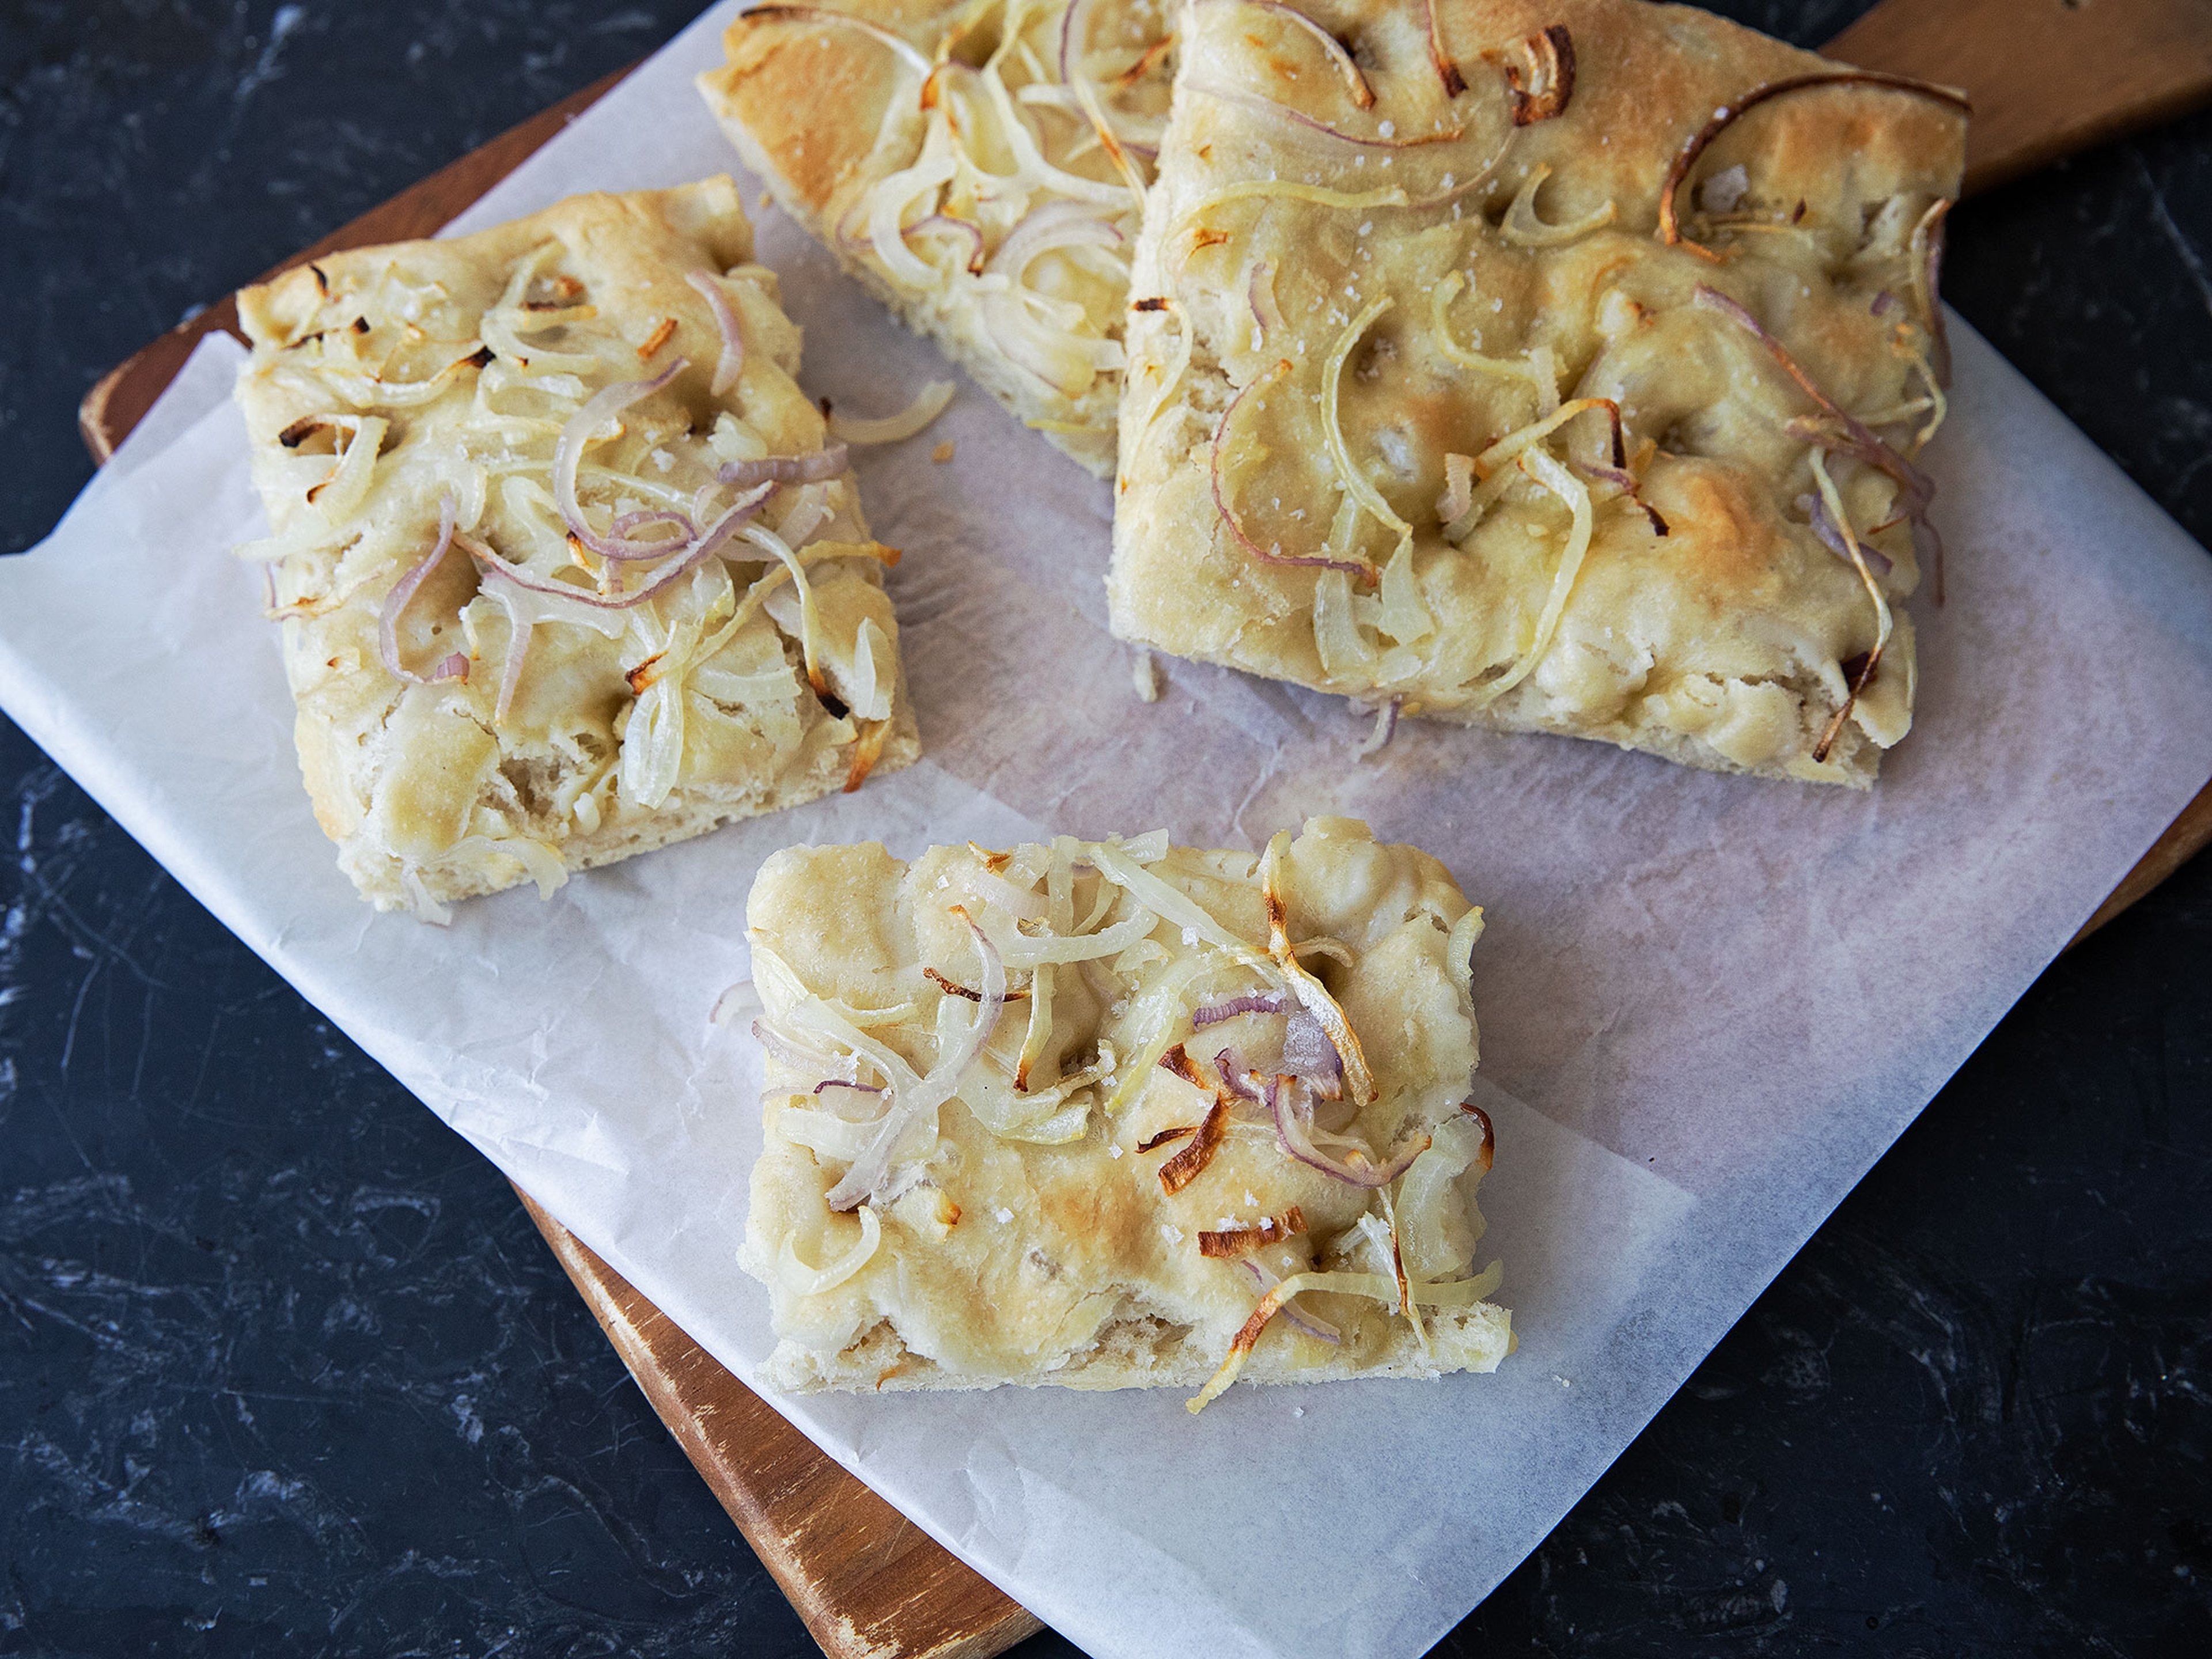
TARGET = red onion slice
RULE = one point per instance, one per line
(1055, 225)
(1816, 515)
(1292, 1135)
(623, 547)
(1856, 439)
(1236, 1078)
(801, 1058)
(568, 454)
(492, 565)
(395, 603)
(820, 466)
(1366, 576)
(1069, 22)
(732, 361)
(1262, 1279)
(1272, 1002)
(943, 223)
(870, 1170)
(1362, 94)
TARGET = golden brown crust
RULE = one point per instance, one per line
(1501, 268)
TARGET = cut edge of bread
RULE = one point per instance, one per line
(1142, 1350)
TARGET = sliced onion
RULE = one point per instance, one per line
(1263, 1279)
(1286, 1099)
(732, 361)
(799, 1280)
(943, 223)
(1314, 123)
(1841, 432)
(395, 603)
(1670, 229)
(870, 1170)
(1236, 1078)
(492, 565)
(829, 1091)
(1310, 1055)
(1055, 225)
(1365, 573)
(1355, 82)
(602, 407)
(928, 403)
(1359, 1080)
(822, 465)
(1253, 1002)
(625, 548)
(1816, 514)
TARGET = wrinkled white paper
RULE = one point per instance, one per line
(1721, 998)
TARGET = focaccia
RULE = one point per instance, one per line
(565, 570)
(979, 167)
(1553, 364)
(1114, 1115)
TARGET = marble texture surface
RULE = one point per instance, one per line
(284, 1369)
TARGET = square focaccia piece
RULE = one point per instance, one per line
(979, 167)
(565, 569)
(1557, 366)
(1119, 1115)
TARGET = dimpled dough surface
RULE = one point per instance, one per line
(1023, 1242)
(1453, 276)
(603, 732)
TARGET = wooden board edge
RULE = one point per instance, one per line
(118, 400)
(905, 1598)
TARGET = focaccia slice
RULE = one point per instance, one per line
(1570, 383)
(979, 167)
(565, 569)
(1095, 1114)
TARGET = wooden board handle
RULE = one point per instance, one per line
(2048, 77)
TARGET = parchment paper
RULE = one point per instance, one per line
(1721, 998)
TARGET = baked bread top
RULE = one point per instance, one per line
(1084, 1113)
(1554, 365)
(980, 167)
(565, 569)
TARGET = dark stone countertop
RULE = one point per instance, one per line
(285, 1370)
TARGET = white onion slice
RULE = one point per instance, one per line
(870, 1170)
(395, 605)
(820, 466)
(928, 403)
(732, 361)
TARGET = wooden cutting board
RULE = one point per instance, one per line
(2048, 77)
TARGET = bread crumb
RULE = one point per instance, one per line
(943, 452)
